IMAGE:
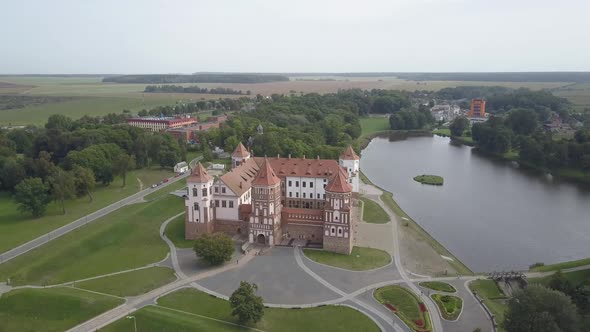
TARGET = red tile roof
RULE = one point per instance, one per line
(240, 151)
(311, 168)
(239, 179)
(349, 154)
(339, 184)
(199, 174)
(266, 176)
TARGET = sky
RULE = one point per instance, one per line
(173, 36)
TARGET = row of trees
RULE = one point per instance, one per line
(67, 158)
(169, 88)
(411, 119)
(561, 306)
(231, 104)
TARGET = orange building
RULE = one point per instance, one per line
(478, 108)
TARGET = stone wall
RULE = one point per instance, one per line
(338, 244)
(313, 233)
(231, 227)
(192, 230)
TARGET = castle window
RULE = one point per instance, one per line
(195, 192)
(324, 185)
(290, 184)
(318, 196)
(296, 183)
(340, 231)
(324, 196)
(303, 193)
(223, 203)
(303, 183)
(196, 206)
(204, 192)
(231, 204)
(216, 189)
(290, 194)
(333, 230)
(216, 203)
(311, 184)
(297, 195)
(223, 190)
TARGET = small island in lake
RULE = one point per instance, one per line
(434, 180)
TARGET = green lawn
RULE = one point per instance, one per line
(50, 309)
(438, 286)
(124, 239)
(373, 213)
(180, 184)
(434, 180)
(406, 304)
(450, 306)
(175, 232)
(131, 283)
(326, 318)
(581, 277)
(371, 125)
(446, 132)
(492, 297)
(561, 266)
(359, 260)
(17, 228)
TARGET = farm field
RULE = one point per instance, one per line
(124, 239)
(192, 310)
(50, 309)
(98, 98)
(578, 94)
(17, 228)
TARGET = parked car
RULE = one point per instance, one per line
(154, 185)
(165, 180)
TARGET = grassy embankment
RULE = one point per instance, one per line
(373, 213)
(175, 232)
(406, 306)
(130, 283)
(561, 266)
(492, 296)
(433, 180)
(17, 228)
(446, 132)
(50, 309)
(576, 278)
(372, 127)
(387, 198)
(450, 306)
(192, 310)
(124, 239)
(438, 286)
(360, 258)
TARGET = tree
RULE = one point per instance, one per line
(458, 126)
(522, 121)
(32, 195)
(84, 181)
(59, 121)
(539, 309)
(62, 186)
(214, 249)
(122, 164)
(246, 304)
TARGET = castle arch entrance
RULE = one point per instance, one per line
(260, 239)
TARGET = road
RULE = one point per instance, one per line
(45, 238)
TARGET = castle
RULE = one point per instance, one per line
(275, 200)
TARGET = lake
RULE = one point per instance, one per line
(490, 214)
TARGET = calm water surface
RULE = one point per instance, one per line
(490, 214)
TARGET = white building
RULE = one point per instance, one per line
(181, 167)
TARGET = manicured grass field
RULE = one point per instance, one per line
(438, 286)
(50, 309)
(433, 180)
(492, 297)
(360, 259)
(371, 125)
(192, 301)
(125, 239)
(131, 283)
(373, 213)
(450, 306)
(175, 232)
(561, 266)
(406, 304)
(17, 228)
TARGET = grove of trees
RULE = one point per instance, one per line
(168, 88)
(215, 249)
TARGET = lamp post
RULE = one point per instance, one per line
(134, 322)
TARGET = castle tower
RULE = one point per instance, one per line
(265, 221)
(351, 162)
(338, 226)
(199, 214)
(239, 155)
